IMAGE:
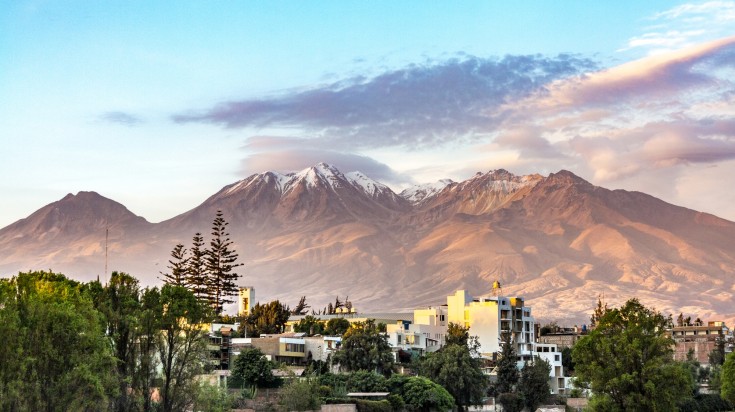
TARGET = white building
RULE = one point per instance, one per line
(426, 333)
(488, 318)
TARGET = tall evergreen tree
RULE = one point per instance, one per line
(507, 365)
(220, 263)
(179, 266)
(196, 271)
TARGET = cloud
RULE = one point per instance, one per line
(685, 25)
(125, 119)
(284, 154)
(416, 106)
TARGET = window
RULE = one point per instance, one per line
(295, 347)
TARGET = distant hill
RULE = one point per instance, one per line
(557, 240)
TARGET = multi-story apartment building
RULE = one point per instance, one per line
(700, 339)
(488, 318)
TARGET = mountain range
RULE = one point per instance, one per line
(557, 240)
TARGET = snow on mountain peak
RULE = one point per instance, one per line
(416, 194)
(366, 184)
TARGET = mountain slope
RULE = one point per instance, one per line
(558, 240)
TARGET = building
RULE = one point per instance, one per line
(488, 317)
(290, 348)
(563, 337)
(551, 353)
(246, 297)
(700, 339)
(427, 332)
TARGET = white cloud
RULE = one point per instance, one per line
(685, 25)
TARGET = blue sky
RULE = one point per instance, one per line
(159, 104)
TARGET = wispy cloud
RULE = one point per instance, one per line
(417, 106)
(123, 118)
(685, 25)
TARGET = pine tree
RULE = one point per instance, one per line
(507, 365)
(220, 262)
(196, 273)
(178, 266)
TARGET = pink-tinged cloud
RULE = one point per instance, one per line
(654, 77)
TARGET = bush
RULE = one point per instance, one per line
(705, 403)
(373, 406)
(362, 381)
(212, 398)
(300, 395)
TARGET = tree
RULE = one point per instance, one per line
(336, 327)
(628, 362)
(182, 346)
(534, 383)
(507, 365)
(309, 325)
(457, 334)
(220, 263)
(196, 272)
(178, 265)
(454, 368)
(251, 368)
(364, 348)
(268, 318)
(149, 331)
(727, 379)
(421, 394)
(301, 395)
(599, 312)
(301, 308)
(717, 356)
(121, 307)
(54, 355)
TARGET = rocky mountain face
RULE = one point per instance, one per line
(559, 241)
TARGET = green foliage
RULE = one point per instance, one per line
(727, 379)
(178, 265)
(220, 262)
(627, 360)
(301, 395)
(457, 334)
(373, 406)
(534, 383)
(54, 355)
(511, 402)
(717, 356)
(336, 327)
(567, 361)
(454, 368)
(309, 325)
(267, 319)
(364, 381)
(705, 403)
(181, 345)
(251, 368)
(212, 398)
(507, 365)
(365, 348)
(424, 395)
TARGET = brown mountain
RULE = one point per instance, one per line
(557, 240)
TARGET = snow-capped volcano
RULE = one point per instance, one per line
(559, 241)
